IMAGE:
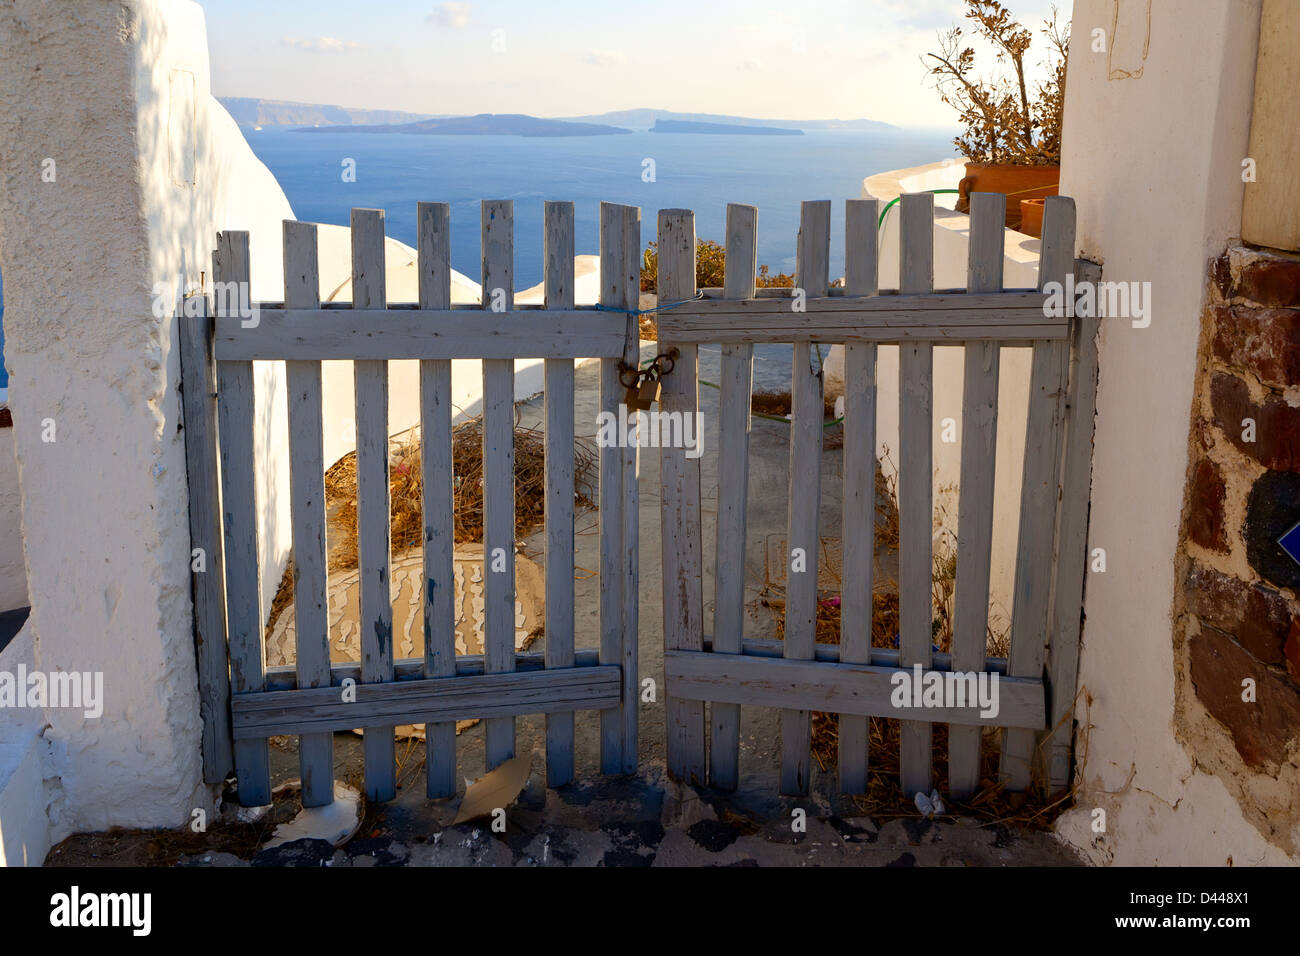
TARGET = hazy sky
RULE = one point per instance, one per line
(813, 60)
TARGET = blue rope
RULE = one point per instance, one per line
(657, 308)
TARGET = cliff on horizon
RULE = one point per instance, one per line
(726, 129)
(484, 124)
(251, 111)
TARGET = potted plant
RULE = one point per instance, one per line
(1012, 142)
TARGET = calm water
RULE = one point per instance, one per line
(700, 172)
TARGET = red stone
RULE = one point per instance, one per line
(1277, 424)
(1205, 508)
(1262, 729)
(1267, 280)
(1292, 651)
(1263, 341)
(1260, 619)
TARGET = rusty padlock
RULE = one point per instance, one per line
(648, 392)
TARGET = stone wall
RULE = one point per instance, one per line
(1237, 618)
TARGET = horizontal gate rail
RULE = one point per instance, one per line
(486, 696)
(323, 334)
(857, 689)
(1007, 317)
(410, 668)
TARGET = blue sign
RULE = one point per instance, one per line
(1290, 543)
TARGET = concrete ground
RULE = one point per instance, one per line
(648, 819)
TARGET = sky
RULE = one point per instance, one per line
(819, 59)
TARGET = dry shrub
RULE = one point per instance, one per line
(406, 488)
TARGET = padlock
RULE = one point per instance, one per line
(648, 393)
(632, 398)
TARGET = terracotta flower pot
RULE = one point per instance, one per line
(1015, 182)
(1031, 217)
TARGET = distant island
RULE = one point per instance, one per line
(644, 119)
(730, 129)
(254, 112)
(250, 111)
(484, 124)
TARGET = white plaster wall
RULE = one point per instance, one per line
(1154, 165)
(144, 181)
(13, 570)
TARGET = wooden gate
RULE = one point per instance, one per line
(244, 702)
(855, 680)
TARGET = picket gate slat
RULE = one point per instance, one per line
(497, 219)
(858, 511)
(610, 519)
(1040, 491)
(915, 519)
(629, 285)
(199, 398)
(736, 387)
(979, 433)
(1071, 558)
(559, 396)
(236, 407)
(307, 510)
(803, 544)
(433, 249)
(679, 496)
(374, 548)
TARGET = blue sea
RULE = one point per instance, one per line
(702, 172)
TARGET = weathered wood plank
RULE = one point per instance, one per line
(199, 405)
(733, 492)
(497, 219)
(471, 665)
(858, 522)
(629, 279)
(774, 303)
(683, 594)
(802, 539)
(499, 696)
(412, 668)
(617, 526)
(244, 611)
(374, 546)
(610, 493)
(559, 397)
(320, 334)
(861, 689)
(979, 432)
(1040, 491)
(915, 517)
(1072, 552)
(909, 328)
(307, 507)
(434, 268)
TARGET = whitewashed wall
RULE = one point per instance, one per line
(1152, 154)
